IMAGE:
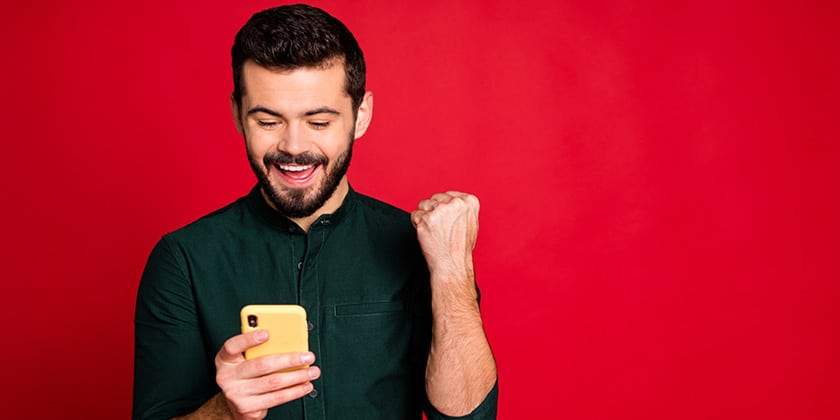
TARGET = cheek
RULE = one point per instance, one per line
(258, 144)
(336, 142)
(335, 149)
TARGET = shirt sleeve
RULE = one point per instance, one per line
(172, 373)
(485, 411)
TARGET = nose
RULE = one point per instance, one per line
(293, 141)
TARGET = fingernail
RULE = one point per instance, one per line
(261, 335)
(307, 358)
(313, 372)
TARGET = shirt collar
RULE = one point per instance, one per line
(256, 202)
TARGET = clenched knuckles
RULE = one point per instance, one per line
(447, 228)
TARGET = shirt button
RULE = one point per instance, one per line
(313, 393)
(310, 326)
(300, 265)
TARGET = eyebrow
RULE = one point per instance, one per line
(321, 110)
(263, 109)
(316, 111)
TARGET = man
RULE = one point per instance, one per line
(390, 298)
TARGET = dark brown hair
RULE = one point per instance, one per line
(290, 37)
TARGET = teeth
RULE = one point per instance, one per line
(293, 168)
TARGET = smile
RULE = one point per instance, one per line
(296, 175)
(295, 168)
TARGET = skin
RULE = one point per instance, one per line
(461, 369)
(280, 112)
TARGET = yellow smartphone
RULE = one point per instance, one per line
(286, 326)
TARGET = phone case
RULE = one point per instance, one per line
(286, 326)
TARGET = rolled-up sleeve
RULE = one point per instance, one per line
(485, 411)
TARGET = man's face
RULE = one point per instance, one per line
(299, 130)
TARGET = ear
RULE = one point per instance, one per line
(364, 114)
(234, 109)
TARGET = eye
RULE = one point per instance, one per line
(266, 123)
(319, 125)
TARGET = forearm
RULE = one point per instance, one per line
(214, 409)
(461, 370)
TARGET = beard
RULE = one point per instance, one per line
(297, 203)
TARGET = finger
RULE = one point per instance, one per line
(471, 200)
(273, 363)
(282, 380)
(274, 398)
(427, 205)
(422, 217)
(444, 197)
(417, 217)
(231, 351)
(241, 391)
(456, 196)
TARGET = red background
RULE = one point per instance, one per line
(659, 234)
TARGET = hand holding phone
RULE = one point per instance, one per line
(288, 337)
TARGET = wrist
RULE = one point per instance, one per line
(452, 272)
(454, 299)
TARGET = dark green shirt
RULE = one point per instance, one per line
(358, 273)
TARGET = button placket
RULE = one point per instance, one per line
(310, 298)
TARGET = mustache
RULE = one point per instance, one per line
(283, 158)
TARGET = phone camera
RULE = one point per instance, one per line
(252, 321)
